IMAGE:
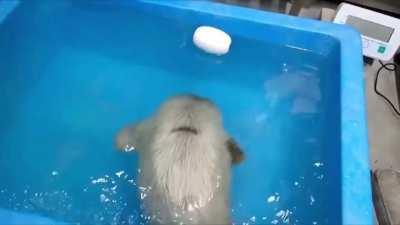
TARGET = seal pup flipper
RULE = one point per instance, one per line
(235, 151)
(134, 136)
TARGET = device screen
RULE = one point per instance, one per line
(370, 29)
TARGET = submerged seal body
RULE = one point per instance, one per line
(185, 161)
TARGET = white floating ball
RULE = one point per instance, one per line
(212, 40)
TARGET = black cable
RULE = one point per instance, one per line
(385, 65)
(389, 67)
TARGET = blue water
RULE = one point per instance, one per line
(73, 74)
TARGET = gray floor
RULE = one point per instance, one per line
(383, 124)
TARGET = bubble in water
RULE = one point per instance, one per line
(132, 182)
(271, 199)
(103, 198)
(296, 183)
(314, 223)
(280, 213)
(54, 173)
(99, 180)
(285, 68)
(253, 219)
(264, 218)
(274, 222)
(318, 164)
(132, 219)
(312, 200)
(119, 173)
(283, 215)
(143, 195)
(129, 148)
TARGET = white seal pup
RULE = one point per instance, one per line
(185, 159)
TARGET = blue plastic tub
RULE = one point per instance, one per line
(290, 90)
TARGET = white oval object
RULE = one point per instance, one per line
(212, 40)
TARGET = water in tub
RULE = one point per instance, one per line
(73, 74)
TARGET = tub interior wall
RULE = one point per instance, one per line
(74, 74)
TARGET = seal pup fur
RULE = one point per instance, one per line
(185, 158)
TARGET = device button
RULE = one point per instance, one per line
(381, 49)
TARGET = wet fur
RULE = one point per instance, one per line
(185, 157)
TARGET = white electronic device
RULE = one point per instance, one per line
(380, 33)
